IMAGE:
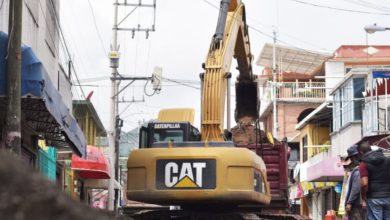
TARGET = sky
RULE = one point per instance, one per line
(182, 37)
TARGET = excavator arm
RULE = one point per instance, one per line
(231, 40)
(175, 168)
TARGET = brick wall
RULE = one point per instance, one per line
(287, 118)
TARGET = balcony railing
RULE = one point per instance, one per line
(296, 91)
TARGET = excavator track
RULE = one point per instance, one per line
(165, 214)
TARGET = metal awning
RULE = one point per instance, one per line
(95, 166)
(291, 59)
(43, 110)
(321, 115)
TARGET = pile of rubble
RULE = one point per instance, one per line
(245, 132)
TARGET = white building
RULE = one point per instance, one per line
(41, 33)
(46, 87)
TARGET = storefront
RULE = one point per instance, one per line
(44, 114)
(320, 179)
(92, 177)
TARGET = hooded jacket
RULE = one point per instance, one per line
(353, 193)
(378, 167)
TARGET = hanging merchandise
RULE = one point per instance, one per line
(338, 188)
(344, 189)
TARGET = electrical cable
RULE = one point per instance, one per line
(338, 9)
(146, 93)
(180, 83)
(1, 5)
(10, 37)
(64, 42)
(369, 5)
(261, 32)
(97, 29)
(125, 108)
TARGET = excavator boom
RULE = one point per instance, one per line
(230, 40)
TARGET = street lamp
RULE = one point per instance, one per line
(374, 28)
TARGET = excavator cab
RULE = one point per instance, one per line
(162, 132)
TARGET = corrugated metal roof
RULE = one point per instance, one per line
(291, 59)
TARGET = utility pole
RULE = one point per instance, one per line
(115, 80)
(274, 89)
(114, 64)
(14, 61)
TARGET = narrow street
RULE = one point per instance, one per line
(212, 109)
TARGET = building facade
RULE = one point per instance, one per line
(48, 126)
(355, 110)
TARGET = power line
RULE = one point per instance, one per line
(96, 28)
(180, 83)
(369, 5)
(261, 32)
(66, 46)
(1, 6)
(338, 9)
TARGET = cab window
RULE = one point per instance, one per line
(143, 138)
(168, 135)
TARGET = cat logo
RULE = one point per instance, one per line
(185, 174)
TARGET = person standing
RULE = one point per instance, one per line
(375, 182)
(352, 199)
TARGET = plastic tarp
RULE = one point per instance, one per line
(36, 85)
(95, 166)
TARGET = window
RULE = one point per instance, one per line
(194, 134)
(143, 137)
(347, 103)
(337, 111)
(168, 135)
(358, 89)
(294, 154)
(304, 148)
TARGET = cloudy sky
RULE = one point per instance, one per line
(183, 33)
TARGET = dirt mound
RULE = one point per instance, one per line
(245, 132)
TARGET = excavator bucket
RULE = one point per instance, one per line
(247, 101)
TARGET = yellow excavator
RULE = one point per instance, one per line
(178, 165)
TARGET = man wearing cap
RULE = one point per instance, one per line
(375, 182)
(352, 198)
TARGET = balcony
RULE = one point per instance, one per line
(376, 115)
(293, 92)
(322, 168)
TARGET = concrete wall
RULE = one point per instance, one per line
(334, 73)
(41, 33)
(288, 113)
(345, 137)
